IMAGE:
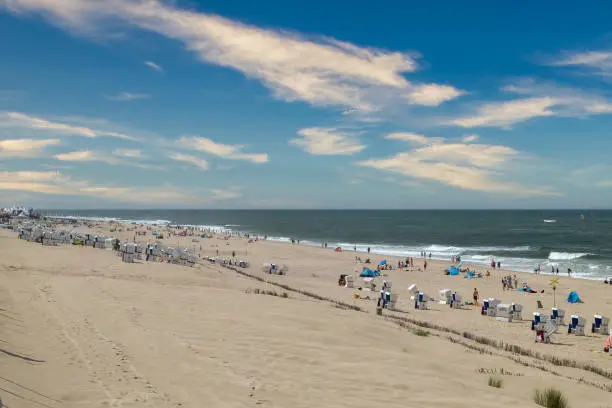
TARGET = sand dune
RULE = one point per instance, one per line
(79, 328)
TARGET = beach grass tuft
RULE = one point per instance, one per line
(421, 332)
(495, 382)
(550, 398)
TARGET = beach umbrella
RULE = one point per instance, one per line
(383, 262)
(460, 264)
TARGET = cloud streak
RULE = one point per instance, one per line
(128, 96)
(192, 160)
(56, 183)
(154, 66)
(321, 71)
(26, 121)
(231, 152)
(536, 100)
(25, 147)
(327, 142)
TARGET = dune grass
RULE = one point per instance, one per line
(550, 398)
(495, 382)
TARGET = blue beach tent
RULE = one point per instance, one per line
(368, 273)
(383, 262)
(573, 298)
(452, 271)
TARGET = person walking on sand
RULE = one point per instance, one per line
(475, 296)
(425, 265)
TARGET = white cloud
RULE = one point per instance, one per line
(414, 138)
(604, 183)
(321, 72)
(128, 96)
(233, 152)
(83, 156)
(504, 114)
(327, 141)
(597, 61)
(193, 160)
(128, 153)
(433, 94)
(470, 138)
(475, 167)
(55, 183)
(25, 121)
(77, 156)
(24, 147)
(154, 66)
(538, 100)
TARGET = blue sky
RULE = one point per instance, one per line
(227, 104)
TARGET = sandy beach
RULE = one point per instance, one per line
(80, 328)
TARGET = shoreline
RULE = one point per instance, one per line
(483, 263)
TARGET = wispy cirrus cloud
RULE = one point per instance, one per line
(414, 138)
(192, 160)
(18, 120)
(128, 153)
(536, 100)
(128, 96)
(154, 66)
(25, 147)
(56, 183)
(470, 138)
(231, 152)
(477, 167)
(119, 157)
(596, 62)
(328, 141)
(321, 71)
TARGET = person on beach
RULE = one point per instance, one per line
(498, 265)
(569, 272)
(475, 296)
(368, 250)
(425, 265)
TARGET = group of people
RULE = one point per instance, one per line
(409, 262)
(494, 264)
(509, 282)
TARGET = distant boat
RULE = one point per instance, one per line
(582, 216)
(550, 220)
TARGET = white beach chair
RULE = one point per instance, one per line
(446, 297)
(576, 326)
(492, 309)
(456, 300)
(545, 331)
(600, 325)
(517, 311)
(559, 316)
(503, 312)
(392, 299)
(349, 281)
(421, 300)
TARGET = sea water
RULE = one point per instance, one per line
(520, 240)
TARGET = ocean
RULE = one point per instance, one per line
(520, 240)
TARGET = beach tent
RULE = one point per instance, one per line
(383, 262)
(452, 271)
(470, 275)
(368, 273)
(460, 264)
(573, 298)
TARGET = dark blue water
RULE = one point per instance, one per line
(519, 239)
